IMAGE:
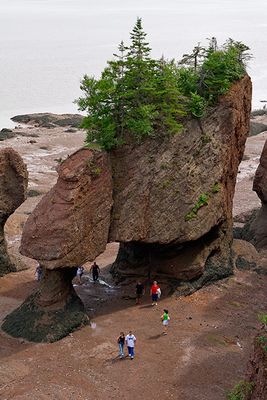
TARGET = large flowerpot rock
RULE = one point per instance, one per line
(69, 226)
(173, 196)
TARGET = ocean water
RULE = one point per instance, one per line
(46, 46)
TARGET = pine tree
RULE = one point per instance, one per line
(139, 84)
(139, 48)
(195, 58)
(138, 97)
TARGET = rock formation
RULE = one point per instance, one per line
(69, 226)
(51, 312)
(49, 120)
(173, 198)
(13, 187)
(256, 228)
(71, 223)
(168, 201)
(257, 368)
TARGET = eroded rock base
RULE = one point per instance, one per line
(186, 266)
(49, 314)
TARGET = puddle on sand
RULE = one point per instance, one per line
(101, 282)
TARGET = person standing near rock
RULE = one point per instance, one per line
(95, 270)
(121, 342)
(155, 293)
(130, 343)
(38, 272)
(140, 290)
(79, 274)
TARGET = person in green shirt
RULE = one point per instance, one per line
(165, 318)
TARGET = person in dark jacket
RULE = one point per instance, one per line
(121, 342)
(95, 270)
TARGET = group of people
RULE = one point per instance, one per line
(95, 271)
(130, 339)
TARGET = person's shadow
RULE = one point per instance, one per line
(117, 359)
(155, 337)
(146, 306)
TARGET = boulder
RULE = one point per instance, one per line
(173, 197)
(260, 179)
(70, 225)
(13, 188)
(255, 229)
(245, 256)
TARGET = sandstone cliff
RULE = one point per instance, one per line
(13, 187)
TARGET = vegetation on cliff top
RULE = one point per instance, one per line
(138, 96)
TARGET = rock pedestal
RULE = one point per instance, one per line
(68, 227)
(51, 312)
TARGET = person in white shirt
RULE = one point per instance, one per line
(130, 343)
(79, 274)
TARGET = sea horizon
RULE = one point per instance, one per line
(48, 45)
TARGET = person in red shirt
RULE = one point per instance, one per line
(154, 291)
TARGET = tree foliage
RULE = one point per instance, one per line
(137, 96)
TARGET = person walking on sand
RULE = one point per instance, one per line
(155, 293)
(95, 270)
(140, 290)
(79, 274)
(130, 343)
(121, 342)
(165, 318)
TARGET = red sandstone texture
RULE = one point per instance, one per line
(256, 230)
(159, 184)
(13, 186)
(257, 368)
(70, 224)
